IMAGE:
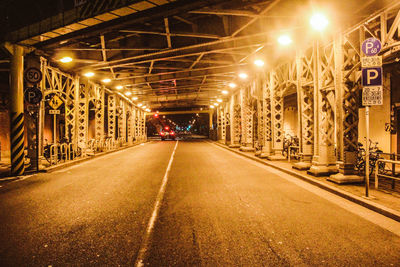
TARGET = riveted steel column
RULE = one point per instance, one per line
(247, 121)
(17, 110)
(235, 121)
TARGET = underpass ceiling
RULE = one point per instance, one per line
(181, 54)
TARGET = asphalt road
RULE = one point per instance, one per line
(217, 209)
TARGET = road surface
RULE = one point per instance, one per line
(203, 206)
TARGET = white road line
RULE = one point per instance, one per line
(369, 215)
(147, 236)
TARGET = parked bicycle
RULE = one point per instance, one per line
(289, 141)
(60, 156)
(374, 154)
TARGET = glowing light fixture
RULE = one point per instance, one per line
(258, 62)
(89, 74)
(140, 104)
(219, 100)
(128, 93)
(134, 98)
(243, 75)
(106, 80)
(66, 59)
(144, 107)
(216, 104)
(232, 85)
(224, 92)
(211, 106)
(119, 87)
(319, 21)
(285, 40)
(148, 110)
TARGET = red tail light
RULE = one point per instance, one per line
(162, 133)
(172, 133)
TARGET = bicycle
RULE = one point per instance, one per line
(374, 154)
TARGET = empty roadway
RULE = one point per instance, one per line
(218, 209)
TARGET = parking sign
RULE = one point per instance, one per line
(372, 76)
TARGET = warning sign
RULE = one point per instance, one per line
(55, 102)
(372, 96)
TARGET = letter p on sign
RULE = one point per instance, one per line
(372, 76)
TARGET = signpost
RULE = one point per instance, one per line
(55, 102)
(33, 95)
(372, 93)
(33, 75)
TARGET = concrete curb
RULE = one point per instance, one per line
(388, 212)
(70, 163)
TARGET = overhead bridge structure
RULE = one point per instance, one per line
(107, 60)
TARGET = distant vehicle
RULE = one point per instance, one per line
(167, 133)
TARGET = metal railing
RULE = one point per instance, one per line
(386, 168)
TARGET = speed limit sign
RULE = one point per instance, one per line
(33, 75)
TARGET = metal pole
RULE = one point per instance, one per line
(17, 110)
(54, 128)
(367, 152)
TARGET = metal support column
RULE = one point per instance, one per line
(276, 118)
(235, 122)
(247, 121)
(17, 109)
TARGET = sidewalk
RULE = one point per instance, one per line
(384, 202)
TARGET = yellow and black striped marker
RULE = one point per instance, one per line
(17, 144)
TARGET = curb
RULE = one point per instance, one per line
(70, 163)
(385, 211)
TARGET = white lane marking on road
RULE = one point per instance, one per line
(369, 215)
(146, 239)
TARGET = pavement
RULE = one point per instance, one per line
(204, 206)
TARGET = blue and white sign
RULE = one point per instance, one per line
(372, 76)
(371, 46)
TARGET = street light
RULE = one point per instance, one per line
(106, 80)
(232, 85)
(89, 74)
(224, 92)
(66, 59)
(258, 62)
(319, 21)
(285, 40)
(211, 106)
(119, 87)
(128, 93)
(134, 98)
(219, 100)
(243, 75)
(140, 104)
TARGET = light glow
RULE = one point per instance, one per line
(224, 92)
(89, 74)
(232, 85)
(319, 21)
(140, 104)
(119, 87)
(106, 80)
(66, 59)
(285, 40)
(219, 100)
(259, 63)
(216, 104)
(243, 75)
(128, 93)
(134, 98)
(211, 106)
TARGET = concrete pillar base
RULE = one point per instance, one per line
(258, 153)
(302, 165)
(246, 149)
(234, 145)
(322, 170)
(264, 155)
(276, 157)
(340, 178)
